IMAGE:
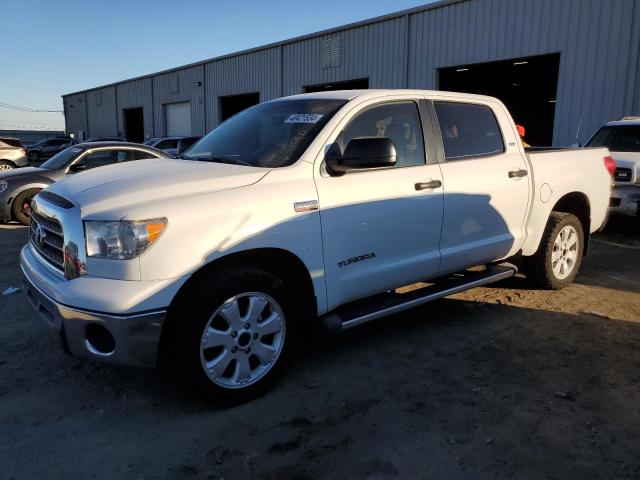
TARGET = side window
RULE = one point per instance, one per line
(399, 121)
(141, 155)
(468, 130)
(123, 155)
(169, 143)
(99, 159)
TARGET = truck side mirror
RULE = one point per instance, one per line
(361, 154)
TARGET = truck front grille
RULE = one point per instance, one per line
(623, 175)
(47, 238)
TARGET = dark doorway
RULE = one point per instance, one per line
(232, 104)
(360, 84)
(134, 124)
(527, 86)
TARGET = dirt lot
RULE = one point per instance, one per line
(499, 382)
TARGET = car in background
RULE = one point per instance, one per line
(12, 154)
(185, 144)
(47, 148)
(103, 139)
(622, 138)
(18, 187)
(171, 145)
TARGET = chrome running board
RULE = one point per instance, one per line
(372, 308)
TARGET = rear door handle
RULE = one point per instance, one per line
(517, 173)
(428, 185)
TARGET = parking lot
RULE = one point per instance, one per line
(501, 381)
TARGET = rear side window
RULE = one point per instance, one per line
(141, 155)
(468, 130)
(10, 142)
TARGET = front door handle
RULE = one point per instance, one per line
(428, 185)
(517, 173)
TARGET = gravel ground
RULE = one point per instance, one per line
(496, 382)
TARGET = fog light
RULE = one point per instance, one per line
(99, 340)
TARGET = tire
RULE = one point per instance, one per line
(559, 256)
(6, 165)
(19, 210)
(232, 358)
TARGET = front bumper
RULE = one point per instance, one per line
(135, 334)
(625, 201)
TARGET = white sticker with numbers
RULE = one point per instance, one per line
(304, 118)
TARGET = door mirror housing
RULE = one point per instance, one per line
(362, 154)
(77, 167)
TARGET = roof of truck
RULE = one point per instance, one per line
(374, 93)
(625, 121)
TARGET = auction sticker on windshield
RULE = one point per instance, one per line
(304, 118)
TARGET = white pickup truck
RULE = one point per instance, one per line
(308, 209)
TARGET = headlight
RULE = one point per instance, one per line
(122, 240)
(3, 186)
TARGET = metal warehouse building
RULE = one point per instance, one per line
(563, 67)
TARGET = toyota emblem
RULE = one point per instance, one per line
(40, 235)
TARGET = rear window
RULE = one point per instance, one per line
(468, 130)
(617, 138)
(10, 142)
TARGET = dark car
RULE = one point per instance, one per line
(17, 187)
(174, 146)
(12, 154)
(103, 139)
(47, 148)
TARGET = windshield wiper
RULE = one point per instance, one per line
(222, 159)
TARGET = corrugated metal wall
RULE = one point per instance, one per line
(252, 72)
(133, 94)
(376, 51)
(101, 112)
(179, 86)
(598, 42)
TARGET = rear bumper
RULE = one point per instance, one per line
(625, 201)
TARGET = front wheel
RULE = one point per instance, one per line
(234, 333)
(21, 208)
(559, 256)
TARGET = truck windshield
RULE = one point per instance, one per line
(617, 138)
(272, 134)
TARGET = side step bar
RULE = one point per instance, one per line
(372, 308)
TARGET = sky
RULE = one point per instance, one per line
(50, 48)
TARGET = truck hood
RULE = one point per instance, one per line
(143, 181)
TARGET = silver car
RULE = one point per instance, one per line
(12, 154)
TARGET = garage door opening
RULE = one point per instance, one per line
(527, 86)
(177, 118)
(232, 104)
(359, 84)
(134, 124)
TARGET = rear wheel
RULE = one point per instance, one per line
(21, 208)
(558, 259)
(235, 333)
(6, 165)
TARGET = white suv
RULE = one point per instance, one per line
(622, 138)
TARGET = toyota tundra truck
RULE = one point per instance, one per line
(308, 210)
